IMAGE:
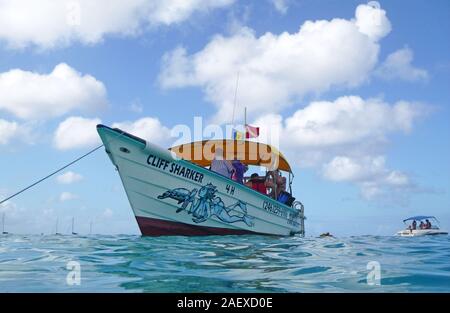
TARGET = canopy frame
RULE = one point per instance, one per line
(248, 152)
(421, 218)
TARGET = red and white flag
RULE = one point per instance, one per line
(251, 131)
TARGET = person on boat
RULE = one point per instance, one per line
(422, 225)
(257, 183)
(221, 166)
(239, 170)
(276, 183)
(427, 224)
(414, 225)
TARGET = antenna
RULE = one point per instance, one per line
(235, 97)
(90, 228)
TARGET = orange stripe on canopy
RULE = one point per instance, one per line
(248, 152)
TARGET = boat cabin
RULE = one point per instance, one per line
(276, 179)
(421, 222)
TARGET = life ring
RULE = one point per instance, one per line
(271, 179)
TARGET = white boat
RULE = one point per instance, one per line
(172, 194)
(414, 230)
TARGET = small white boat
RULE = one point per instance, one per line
(172, 192)
(414, 230)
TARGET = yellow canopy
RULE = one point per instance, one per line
(248, 152)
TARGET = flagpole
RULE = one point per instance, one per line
(235, 98)
(245, 116)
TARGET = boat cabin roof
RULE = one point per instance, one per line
(419, 218)
(248, 152)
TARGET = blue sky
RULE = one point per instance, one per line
(358, 92)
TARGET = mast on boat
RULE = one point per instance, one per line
(73, 223)
(56, 230)
(3, 225)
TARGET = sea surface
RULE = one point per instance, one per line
(128, 263)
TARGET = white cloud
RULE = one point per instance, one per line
(76, 132)
(370, 173)
(30, 95)
(136, 106)
(107, 213)
(343, 168)
(280, 5)
(13, 132)
(8, 130)
(397, 178)
(348, 123)
(398, 65)
(372, 21)
(67, 196)
(345, 139)
(14, 214)
(276, 70)
(49, 24)
(69, 178)
(148, 128)
(175, 11)
(7, 207)
(348, 120)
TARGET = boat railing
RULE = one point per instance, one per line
(297, 205)
(263, 179)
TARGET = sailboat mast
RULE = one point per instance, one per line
(56, 228)
(3, 223)
(73, 220)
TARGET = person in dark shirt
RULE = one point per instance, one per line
(414, 225)
(427, 224)
(239, 170)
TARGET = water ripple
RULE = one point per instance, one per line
(224, 264)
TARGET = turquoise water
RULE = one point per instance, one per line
(224, 264)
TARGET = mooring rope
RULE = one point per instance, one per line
(51, 174)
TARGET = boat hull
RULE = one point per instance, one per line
(421, 232)
(170, 196)
(160, 227)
